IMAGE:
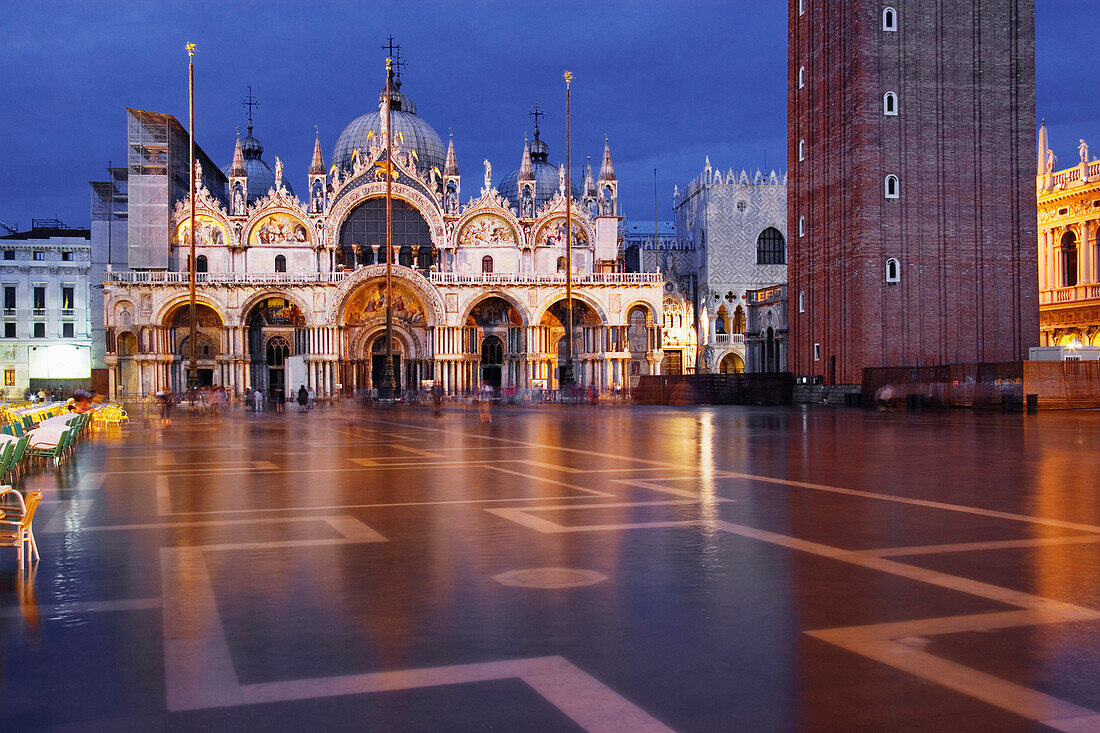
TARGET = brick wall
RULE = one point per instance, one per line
(963, 148)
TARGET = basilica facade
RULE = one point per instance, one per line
(292, 291)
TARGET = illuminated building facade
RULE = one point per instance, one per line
(1068, 203)
(47, 330)
(290, 289)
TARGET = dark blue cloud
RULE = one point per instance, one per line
(667, 82)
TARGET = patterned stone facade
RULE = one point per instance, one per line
(731, 232)
(911, 208)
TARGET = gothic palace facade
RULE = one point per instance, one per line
(292, 292)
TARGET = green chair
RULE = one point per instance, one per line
(16, 467)
(17, 428)
(7, 429)
(56, 452)
(6, 454)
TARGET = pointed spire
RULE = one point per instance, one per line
(526, 172)
(317, 166)
(589, 184)
(450, 168)
(237, 167)
(1044, 148)
(607, 173)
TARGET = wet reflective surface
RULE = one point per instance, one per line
(599, 568)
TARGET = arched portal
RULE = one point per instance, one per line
(208, 329)
(129, 378)
(378, 362)
(731, 364)
(276, 353)
(492, 361)
(365, 226)
(588, 336)
(498, 336)
(273, 320)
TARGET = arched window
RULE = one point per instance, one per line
(739, 320)
(889, 19)
(801, 7)
(891, 187)
(802, 150)
(200, 263)
(771, 248)
(802, 226)
(1069, 259)
(561, 264)
(280, 263)
(486, 264)
(893, 270)
(801, 301)
(801, 76)
(890, 104)
(278, 349)
(720, 325)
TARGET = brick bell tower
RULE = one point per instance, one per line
(911, 209)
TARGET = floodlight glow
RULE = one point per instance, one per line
(61, 361)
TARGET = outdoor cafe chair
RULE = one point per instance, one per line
(16, 466)
(15, 523)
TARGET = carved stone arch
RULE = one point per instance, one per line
(362, 338)
(473, 212)
(524, 312)
(258, 297)
(200, 299)
(377, 189)
(125, 313)
(651, 313)
(580, 295)
(409, 278)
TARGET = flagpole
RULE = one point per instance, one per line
(388, 383)
(192, 361)
(566, 374)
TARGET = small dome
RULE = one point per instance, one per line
(545, 175)
(416, 134)
(261, 176)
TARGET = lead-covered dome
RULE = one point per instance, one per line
(416, 134)
(544, 174)
(261, 176)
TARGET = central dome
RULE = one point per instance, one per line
(416, 134)
(544, 174)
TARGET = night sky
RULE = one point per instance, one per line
(668, 82)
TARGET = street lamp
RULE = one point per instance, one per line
(388, 385)
(192, 361)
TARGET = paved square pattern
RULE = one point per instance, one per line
(595, 568)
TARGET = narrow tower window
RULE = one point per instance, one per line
(891, 187)
(802, 150)
(801, 76)
(802, 226)
(890, 104)
(801, 7)
(487, 264)
(893, 270)
(801, 301)
(280, 263)
(889, 20)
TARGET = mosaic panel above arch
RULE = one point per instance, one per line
(486, 230)
(368, 304)
(552, 233)
(279, 228)
(211, 232)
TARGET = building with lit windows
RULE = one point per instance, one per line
(291, 290)
(1068, 202)
(47, 337)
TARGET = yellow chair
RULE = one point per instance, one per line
(15, 523)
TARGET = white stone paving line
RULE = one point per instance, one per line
(584, 699)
